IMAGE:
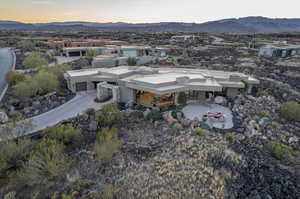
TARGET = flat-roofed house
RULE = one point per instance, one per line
(157, 86)
(119, 56)
(279, 50)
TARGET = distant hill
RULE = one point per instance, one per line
(234, 25)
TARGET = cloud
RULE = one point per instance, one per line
(42, 2)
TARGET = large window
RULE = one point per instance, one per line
(151, 99)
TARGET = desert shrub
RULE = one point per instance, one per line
(58, 71)
(264, 114)
(278, 150)
(63, 92)
(154, 115)
(247, 85)
(131, 61)
(35, 60)
(66, 134)
(65, 196)
(14, 153)
(109, 115)
(26, 88)
(174, 113)
(26, 45)
(90, 112)
(137, 114)
(177, 127)
(110, 192)
(199, 131)
(274, 125)
(230, 137)
(106, 145)
(90, 54)
(47, 82)
(290, 111)
(43, 82)
(182, 98)
(46, 164)
(13, 77)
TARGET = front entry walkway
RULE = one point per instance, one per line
(192, 111)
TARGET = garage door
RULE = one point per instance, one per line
(81, 86)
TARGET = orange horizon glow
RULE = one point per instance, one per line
(141, 11)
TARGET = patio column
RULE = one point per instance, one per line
(249, 91)
(176, 99)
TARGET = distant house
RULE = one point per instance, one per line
(119, 56)
(84, 43)
(157, 86)
(183, 38)
(281, 50)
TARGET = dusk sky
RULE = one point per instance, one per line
(136, 11)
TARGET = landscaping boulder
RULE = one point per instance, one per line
(3, 117)
(169, 118)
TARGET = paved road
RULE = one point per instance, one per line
(6, 64)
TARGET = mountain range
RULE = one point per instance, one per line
(232, 25)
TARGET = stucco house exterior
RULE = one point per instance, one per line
(281, 50)
(157, 86)
(118, 57)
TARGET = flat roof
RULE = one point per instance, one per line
(166, 77)
(84, 48)
(147, 76)
(83, 72)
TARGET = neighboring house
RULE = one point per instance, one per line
(119, 56)
(272, 50)
(81, 51)
(157, 86)
(184, 38)
(84, 43)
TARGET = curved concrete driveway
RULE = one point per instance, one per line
(78, 105)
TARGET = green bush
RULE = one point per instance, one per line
(46, 81)
(46, 165)
(264, 114)
(13, 77)
(90, 112)
(42, 83)
(35, 60)
(274, 125)
(182, 98)
(14, 153)
(26, 88)
(199, 131)
(230, 137)
(278, 150)
(109, 115)
(131, 61)
(90, 54)
(58, 71)
(154, 115)
(174, 113)
(66, 134)
(290, 111)
(106, 145)
(110, 192)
